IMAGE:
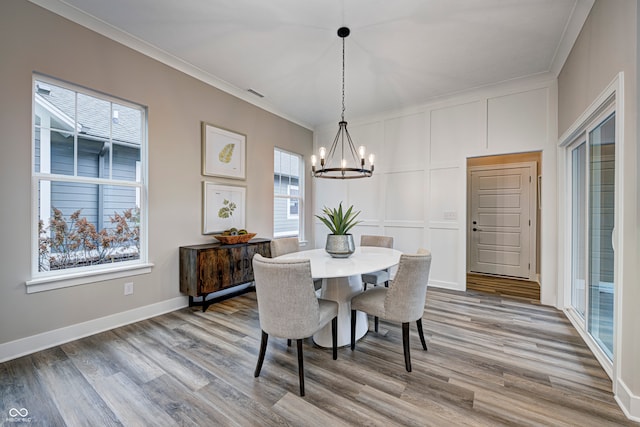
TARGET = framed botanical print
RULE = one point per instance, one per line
(223, 152)
(223, 207)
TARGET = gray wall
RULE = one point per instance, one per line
(32, 39)
(606, 46)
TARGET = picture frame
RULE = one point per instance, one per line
(224, 152)
(224, 207)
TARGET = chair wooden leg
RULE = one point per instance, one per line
(405, 345)
(375, 324)
(364, 285)
(334, 336)
(300, 367)
(386, 284)
(353, 329)
(289, 343)
(263, 349)
(419, 324)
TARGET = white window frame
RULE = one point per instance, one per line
(48, 280)
(299, 197)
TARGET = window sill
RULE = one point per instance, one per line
(66, 280)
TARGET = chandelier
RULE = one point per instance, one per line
(330, 167)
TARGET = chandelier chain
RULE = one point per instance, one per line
(343, 108)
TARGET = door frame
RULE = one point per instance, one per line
(534, 197)
(610, 98)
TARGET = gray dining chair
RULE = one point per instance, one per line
(288, 306)
(381, 276)
(286, 245)
(403, 301)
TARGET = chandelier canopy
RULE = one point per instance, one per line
(351, 163)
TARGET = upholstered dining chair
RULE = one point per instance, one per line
(381, 276)
(288, 306)
(402, 302)
(286, 245)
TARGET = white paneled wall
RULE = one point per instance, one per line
(418, 193)
(404, 198)
(457, 131)
(403, 147)
(446, 221)
(519, 119)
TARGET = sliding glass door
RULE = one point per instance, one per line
(579, 228)
(592, 217)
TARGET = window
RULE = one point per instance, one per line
(292, 211)
(287, 204)
(89, 186)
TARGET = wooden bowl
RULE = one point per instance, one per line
(232, 240)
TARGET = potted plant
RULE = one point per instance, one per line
(340, 242)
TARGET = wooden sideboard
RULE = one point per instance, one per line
(213, 267)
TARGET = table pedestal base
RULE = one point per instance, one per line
(341, 289)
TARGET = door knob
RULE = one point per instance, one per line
(476, 229)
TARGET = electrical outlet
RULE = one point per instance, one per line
(128, 288)
(451, 215)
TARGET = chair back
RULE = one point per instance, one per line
(287, 303)
(380, 241)
(284, 246)
(407, 292)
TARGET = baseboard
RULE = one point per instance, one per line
(628, 402)
(34, 343)
(446, 285)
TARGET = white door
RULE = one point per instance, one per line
(502, 220)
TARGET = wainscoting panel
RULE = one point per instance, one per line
(446, 255)
(405, 194)
(404, 148)
(456, 131)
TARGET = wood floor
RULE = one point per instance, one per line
(504, 286)
(491, 361)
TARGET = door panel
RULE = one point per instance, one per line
(496, 219)
(579, 228)
(601, 221)
(502, 205)
(499, 239)
(501, 200)
(499, 258)
(593, 215)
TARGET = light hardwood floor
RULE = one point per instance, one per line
(491, 361)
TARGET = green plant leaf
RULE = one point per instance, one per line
(339, 221)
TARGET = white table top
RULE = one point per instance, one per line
(365, 259)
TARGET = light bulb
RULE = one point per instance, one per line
(344, 163)
(323, 152)
(372, 157)
(314, 159)
(361, 150)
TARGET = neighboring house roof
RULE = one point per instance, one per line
(94, 115)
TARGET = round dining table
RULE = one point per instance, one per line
(342, 279)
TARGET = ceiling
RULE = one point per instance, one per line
(400, 53)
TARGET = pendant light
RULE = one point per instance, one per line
(342, 161)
